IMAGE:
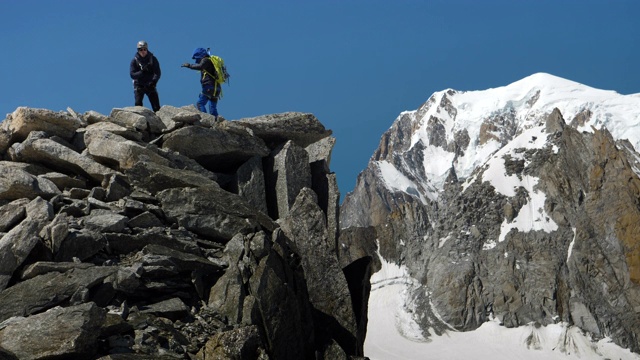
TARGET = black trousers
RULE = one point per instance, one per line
(151, 93)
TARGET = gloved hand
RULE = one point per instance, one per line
(185, 65)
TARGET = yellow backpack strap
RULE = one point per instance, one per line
(205, 73)
(215, 88)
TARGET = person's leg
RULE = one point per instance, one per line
(213, 106)
(202, 102)
(213, 97)
(138, 94)
(154, 99)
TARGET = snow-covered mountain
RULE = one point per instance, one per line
(517, 206)
(482, 122)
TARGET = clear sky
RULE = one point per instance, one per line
(354, 64)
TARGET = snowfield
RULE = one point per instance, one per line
(393, 335)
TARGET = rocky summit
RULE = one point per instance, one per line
(170, 235)
(519, 204)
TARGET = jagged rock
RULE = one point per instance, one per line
(12, 213)
(287, 174)
(173, 117)
(58, 156)
(98, 194)
(16, 183)
(70, 332)
(326, 187)
(182, 261)
(131, 206)
(5, 140)
(278, 279)
(212, 212)
(581, 118)
(145, 220)
(94, 117)
(174, 309)
(228, 293)
(243, 343)
(356, 243)
(258, 245)
(33, 169)
(179, 161)
(583, 317)
(208, 120)
(25, 120)
(303, 129)
(51, 289)
(325, 184)
(251, 183)
(187, 118)
(117, 187)
(137, 118)
(18, 243)
(128, 243)
(114, 150)
(54, 233)
(154, 177)
(95, 201)
(43, 267)
(63, 181)
(305, 225)
(215, 148)
(321, 151)
(156, 336)
(555, 122)
(105, 221)
(129, 134)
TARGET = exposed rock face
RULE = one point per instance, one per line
(69, 330)
(562, 244)
(162, 236)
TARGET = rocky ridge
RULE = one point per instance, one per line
(172, 236)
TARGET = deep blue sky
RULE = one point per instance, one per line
(355, 64)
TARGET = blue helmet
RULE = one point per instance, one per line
(199, 53)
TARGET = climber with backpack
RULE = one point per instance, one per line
(213, 75)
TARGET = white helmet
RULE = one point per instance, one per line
(142, 44)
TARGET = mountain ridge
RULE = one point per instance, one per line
(470, 133)
(501, 208)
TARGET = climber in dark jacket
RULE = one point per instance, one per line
(210, 89)
(145, 72)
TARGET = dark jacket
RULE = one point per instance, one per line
(145, 71)
(207, 70)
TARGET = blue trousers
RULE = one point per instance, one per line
(206, 96)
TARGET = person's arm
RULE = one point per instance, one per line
(134, 70)
(156, 70)
(199, 66)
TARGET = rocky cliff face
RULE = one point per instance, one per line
(140, 235)
(517, 214)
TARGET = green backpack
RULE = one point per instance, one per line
(221, 70)
(222, 76)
